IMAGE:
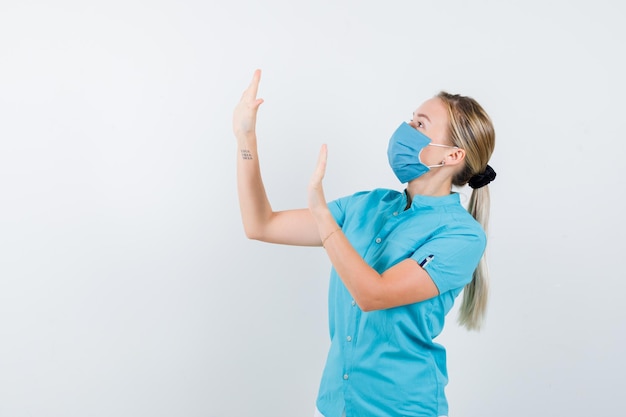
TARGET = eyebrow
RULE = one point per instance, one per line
(424, 116)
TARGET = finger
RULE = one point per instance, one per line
(320, 170)
(253, 88)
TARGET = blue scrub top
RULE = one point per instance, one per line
(385, 363)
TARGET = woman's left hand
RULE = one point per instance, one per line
(317, 201)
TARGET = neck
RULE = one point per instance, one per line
(432, 187)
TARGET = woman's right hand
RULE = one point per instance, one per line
(244, 117)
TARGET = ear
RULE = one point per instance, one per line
(455, 157)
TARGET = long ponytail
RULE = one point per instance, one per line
(471, 129)
(476, 293)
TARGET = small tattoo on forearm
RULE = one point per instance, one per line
(246, 154)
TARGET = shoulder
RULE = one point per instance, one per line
(448, 217)
(361, 201)
(376, 193)
(368, 197)
(462, 223)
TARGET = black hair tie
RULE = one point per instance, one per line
(480, 180)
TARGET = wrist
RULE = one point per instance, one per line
(328, 236)
(246, 139)
(246, 145)
(322, 215)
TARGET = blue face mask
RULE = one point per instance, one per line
(405, 147)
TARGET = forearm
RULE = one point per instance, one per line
(254, 205)
(362, 281)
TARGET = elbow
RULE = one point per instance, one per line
(368, 304)
(256, 228)
(252, 233)
(368, 307)
(370, 297)
(256, 232)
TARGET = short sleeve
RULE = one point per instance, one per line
(451, 257)
(339, 207)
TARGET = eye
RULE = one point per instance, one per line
(416, 123)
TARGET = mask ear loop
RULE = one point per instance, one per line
(443, 161)
(442, 146)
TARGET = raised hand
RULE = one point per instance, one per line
(244, 116)
(317, 200)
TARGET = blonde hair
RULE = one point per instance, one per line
(471, 129)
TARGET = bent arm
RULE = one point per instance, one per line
(404, 283)
(260, 222)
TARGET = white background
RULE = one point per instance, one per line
(127, 286)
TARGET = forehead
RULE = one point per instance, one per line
(435, 110)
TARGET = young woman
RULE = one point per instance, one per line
(399, 259)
